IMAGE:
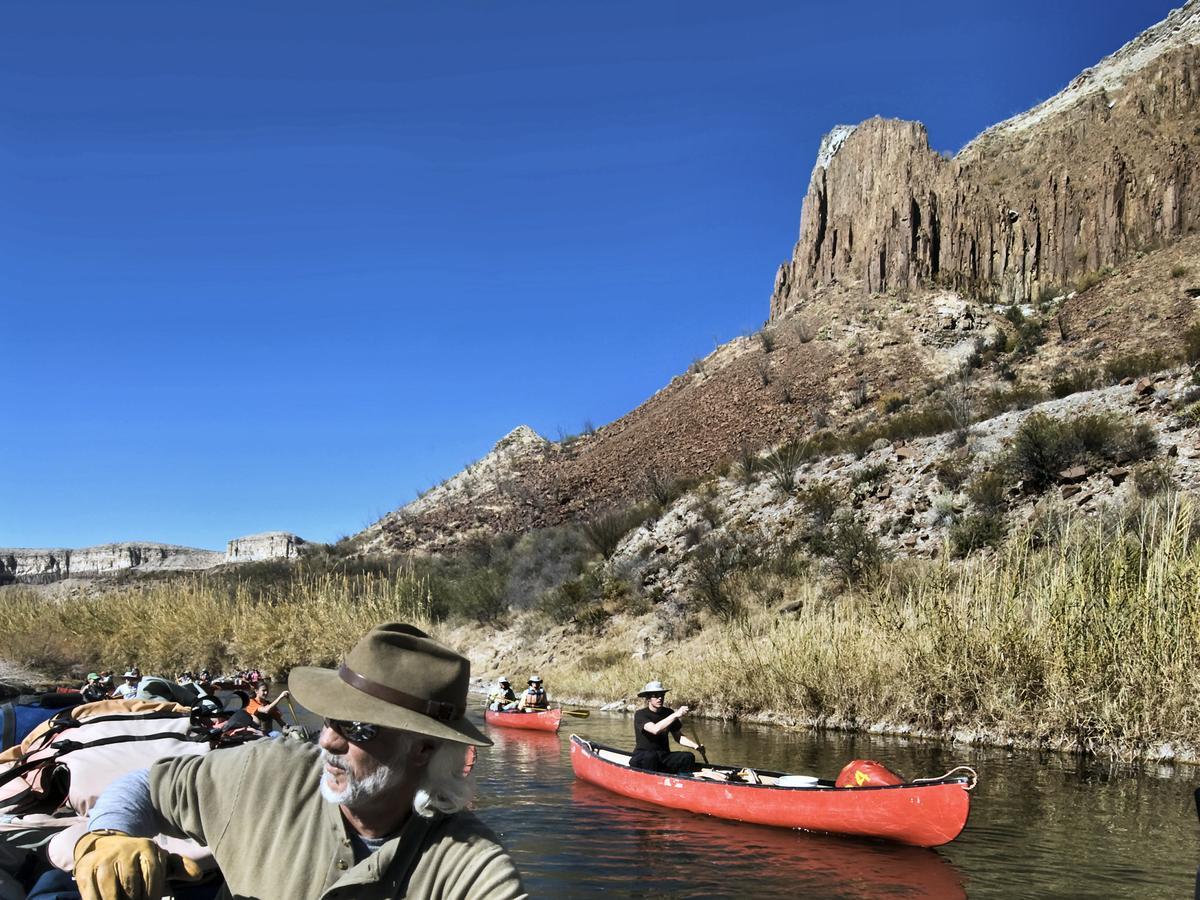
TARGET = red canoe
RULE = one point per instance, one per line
(924, 814)
(546, 720)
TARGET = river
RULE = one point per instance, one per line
(1041, 825)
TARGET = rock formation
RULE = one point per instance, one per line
(38, 566)
(264, 546)
(1100, 171)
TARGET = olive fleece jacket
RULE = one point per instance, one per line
(259, 809)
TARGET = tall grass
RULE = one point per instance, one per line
(305, 618)
(1091, 643)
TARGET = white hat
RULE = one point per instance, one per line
(132, 673)
(652, 687)
(501, 680)
(535, 678)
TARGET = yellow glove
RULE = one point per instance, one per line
(110, 865)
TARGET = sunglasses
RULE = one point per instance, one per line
(355, 732)
(656, 695)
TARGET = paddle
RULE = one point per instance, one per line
(296, 718)
(695, 736)
(577, 713)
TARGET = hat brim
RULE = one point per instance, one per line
(648, 693)
(324, 693)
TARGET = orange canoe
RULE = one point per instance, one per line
(545, 720)
(924, 814)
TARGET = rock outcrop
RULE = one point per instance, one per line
(39, 566)
(264, 546)
(1102, 170)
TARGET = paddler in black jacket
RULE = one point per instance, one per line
(651, 726)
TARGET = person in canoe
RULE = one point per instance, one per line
(651, 726)
(503, 698)
(534, 698)
(266, 715)
(376, 810)
(93, 691)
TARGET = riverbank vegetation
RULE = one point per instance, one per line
(1076, 632)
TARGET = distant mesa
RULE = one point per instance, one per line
(264, 546)
(45, 565)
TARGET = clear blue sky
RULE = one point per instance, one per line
(282, 265)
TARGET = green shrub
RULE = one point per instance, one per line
(976, 531)
(821, 500)
(714, 561)
(605, 531)
(1038, 451)
(1043, 447)
(662, 487)
(781, 465)
(953, 470)
(986, 491)
(893, 402)
(1153, 478)
(1133, 365)
(749, 464)
(870, 474)
(852, 549)
(766, 337)
(1178, 270)
(1068, 383)
(1017, 397)
(1191, 343)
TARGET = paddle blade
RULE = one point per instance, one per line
(577, 713)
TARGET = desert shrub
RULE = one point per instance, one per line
(976, 531)
(1153, 478)
(1190, 414)
(478, 595)
(953, 470)
(986, 491)
(762, 368)
(859, 443)
(821, 500)
(1067, 383)
(1191, 343)
(661, 487)
(714, 562)
(870, 474)
(1178, 270)
(567, 600)
(892, 402)
(749, 464)
(540, 561)
(781, 465)
(1043, 447)
(766, 337)
(1038, 452)
(860, 393)
(853, 551)
(1133, 365)
(1022, 396)
(605, 531)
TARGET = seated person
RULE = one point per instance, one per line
(93, 690)
(652, 749)
(534, 697)
(503, 698)
(266, 715)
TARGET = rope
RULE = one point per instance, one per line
(968, 773)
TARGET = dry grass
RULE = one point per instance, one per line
(1091, 643)
(307, 618)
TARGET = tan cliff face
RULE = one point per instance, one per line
(1102, 170)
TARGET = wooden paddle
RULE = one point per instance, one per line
(695, 736)
(296, 718)
(577, 713)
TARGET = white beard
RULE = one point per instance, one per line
(357, 790)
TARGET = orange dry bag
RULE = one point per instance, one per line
(866, 773)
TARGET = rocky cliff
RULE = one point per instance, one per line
(37, 566)
(1102, 170)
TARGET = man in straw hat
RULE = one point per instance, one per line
(651, 726)
(376, 811)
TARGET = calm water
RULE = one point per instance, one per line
(1041, 825)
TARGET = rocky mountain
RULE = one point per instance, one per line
(1057, 242)
(1101, 170)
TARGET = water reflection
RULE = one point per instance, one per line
(670, 841)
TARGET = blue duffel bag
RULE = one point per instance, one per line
(20, 716)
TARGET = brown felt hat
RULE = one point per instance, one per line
(396, 676)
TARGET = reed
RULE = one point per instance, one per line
(305, 617)
(1091, 643)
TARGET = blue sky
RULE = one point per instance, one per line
(283, 265)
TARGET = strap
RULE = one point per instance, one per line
(67, 746)
(435, 709)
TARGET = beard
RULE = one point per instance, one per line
(357, 790)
